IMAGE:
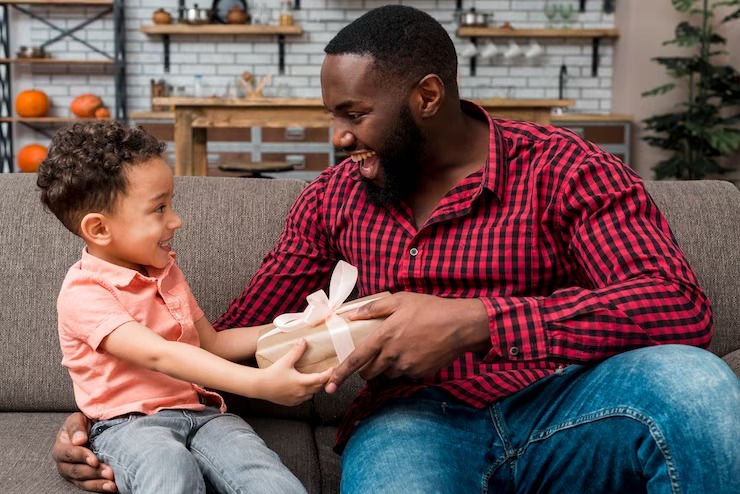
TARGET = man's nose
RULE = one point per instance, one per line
(342, 138)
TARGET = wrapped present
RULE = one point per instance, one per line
(325, 326)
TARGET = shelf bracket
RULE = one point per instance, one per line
(473, 59)
(582, 6)
(281, 54)
(166, 49)
(595, 56)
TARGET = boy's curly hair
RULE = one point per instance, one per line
(84, 170)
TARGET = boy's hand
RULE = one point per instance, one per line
(284, 385)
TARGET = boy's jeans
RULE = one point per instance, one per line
(183, 451)
(663, 419)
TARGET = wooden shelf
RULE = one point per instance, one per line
(591, 117)
(492, 32)
(55, 61)
(165, 30)
(44, 120)
(596, 35)
(242, 29)
(56, 2)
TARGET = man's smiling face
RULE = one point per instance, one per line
(374, 124)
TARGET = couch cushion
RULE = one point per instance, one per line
(329, 461)
(26, 465)
(705, 218)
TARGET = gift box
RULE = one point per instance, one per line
(321, 353)
(325, 325)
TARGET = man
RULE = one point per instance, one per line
(535, 283)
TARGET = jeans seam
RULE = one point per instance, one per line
(624, 411)
(509, 452)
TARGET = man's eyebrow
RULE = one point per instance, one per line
(343, 105)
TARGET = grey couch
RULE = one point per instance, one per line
(229, 225)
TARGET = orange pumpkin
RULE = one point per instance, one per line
(102, 113)
(84, 105)
(30, 157)
(32, 103)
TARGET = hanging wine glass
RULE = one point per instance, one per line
(566, 12)
(551, 11)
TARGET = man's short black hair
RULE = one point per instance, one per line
(403, 41)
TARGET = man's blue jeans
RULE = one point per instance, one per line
(181, 451)
(663, 419)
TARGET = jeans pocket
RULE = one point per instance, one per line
(103, 425)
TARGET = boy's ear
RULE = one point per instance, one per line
(94, 229)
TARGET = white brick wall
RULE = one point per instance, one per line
(221, 59)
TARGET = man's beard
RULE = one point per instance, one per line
(400, 160)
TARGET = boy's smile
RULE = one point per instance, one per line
(142, 225)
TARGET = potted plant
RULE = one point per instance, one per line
(705, 127)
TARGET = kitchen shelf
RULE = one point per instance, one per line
(493, 32)
(165, 30)
(596, 35)
(55, 61)
(253, 29)
(56, 2)
(63, 27)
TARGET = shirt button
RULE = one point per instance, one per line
(414, 251)
(513, 351)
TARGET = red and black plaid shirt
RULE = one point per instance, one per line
(559, 239)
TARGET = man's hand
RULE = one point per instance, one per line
(422, 334)
(75, 462)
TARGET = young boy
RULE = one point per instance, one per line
(134, 339)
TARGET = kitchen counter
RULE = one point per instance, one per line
(194, 115)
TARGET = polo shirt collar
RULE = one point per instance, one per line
(119, 275)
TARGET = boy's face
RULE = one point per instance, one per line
(143, 221)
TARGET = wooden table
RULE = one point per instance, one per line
(194, 115)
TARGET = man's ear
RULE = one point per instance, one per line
(429, 95)
(94, 229)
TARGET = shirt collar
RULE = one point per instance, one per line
(494, 170)
(118, 275)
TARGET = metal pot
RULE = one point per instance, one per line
(471, 18)
(196, 15)
(32, 52)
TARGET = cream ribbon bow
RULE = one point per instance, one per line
(326, 309)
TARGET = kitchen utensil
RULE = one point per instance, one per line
(222, 9)
(32, 52)
(513, 50)
(489, 50)
(534, 50)
(161, 16)
(196, 15)
(471, 18)
(469, 51)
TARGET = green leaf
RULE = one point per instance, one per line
(725, 141)
(683, 5)
(660, 89)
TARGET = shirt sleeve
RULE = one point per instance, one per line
(634, 287)
(102, 312)
(300, 263)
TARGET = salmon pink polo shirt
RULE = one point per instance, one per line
(96, 298)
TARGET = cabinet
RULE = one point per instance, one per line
(115, 60)
(612, 133)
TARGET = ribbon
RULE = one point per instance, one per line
(326, 308)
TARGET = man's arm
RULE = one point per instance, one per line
(634, 289)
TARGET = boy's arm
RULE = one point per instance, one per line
(235, 344)
(280, 383)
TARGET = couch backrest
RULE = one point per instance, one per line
(704, 216)
(217, 249)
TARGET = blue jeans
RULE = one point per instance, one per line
(663, 419)
(188, 452)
